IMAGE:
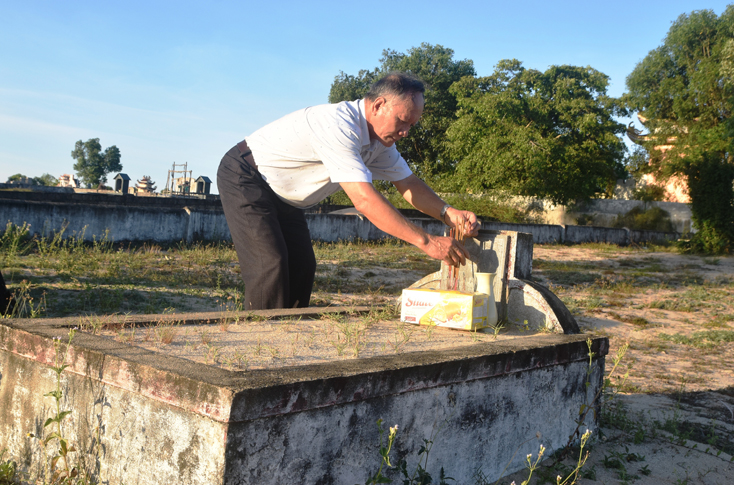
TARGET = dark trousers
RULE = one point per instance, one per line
(272, 239)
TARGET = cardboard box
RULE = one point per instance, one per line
(444, 308)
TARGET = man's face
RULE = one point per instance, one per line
(393, 117)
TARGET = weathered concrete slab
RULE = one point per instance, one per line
(152, 418)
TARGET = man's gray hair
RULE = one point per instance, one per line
(396, 84)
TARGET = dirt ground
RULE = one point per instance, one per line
(674, 422)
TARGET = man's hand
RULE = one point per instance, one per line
(382, 214)
(447, 249)
(423, 198)
(465, 220)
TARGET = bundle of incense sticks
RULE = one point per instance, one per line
(456, 233)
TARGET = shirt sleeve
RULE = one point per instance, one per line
(389, 165)
(336, 141)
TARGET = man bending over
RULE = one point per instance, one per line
(293, 163)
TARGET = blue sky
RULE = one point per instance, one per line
(184, 81)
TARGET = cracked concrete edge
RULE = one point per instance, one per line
(230, 396)
(193, 317)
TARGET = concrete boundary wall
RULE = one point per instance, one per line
(170, 220)
(605, 211)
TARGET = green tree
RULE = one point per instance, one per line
(17, 176)
(425, 148)
(47, 179)
(544, 134)
(92, 164)
(684, 93)
(350, 88)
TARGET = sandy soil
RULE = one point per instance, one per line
(677, 414)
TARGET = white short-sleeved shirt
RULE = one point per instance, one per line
(304, 156)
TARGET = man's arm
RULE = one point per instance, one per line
(423, 198)
(382, 214)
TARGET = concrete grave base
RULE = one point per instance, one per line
(142, 417)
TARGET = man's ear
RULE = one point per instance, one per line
(378, 104)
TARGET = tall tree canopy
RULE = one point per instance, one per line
(425, 148)
(92, 164)
(47, 179)
(684, 91)
(544, 134)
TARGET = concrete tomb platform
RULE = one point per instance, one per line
(146, 417)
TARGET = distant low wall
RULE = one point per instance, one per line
(139, 219)
(164, 220)
(605, 211)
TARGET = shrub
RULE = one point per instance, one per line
(708, 240)
(639, 219)
(649, 193)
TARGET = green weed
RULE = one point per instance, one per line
(401, 336)
(62, 469)
(14, 242)
(350, 333)
(24, 305)
(8, 469)
(702, 340)
(676, 305)
(384, 450)
(166, 332)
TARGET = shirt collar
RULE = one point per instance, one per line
(364, 129)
